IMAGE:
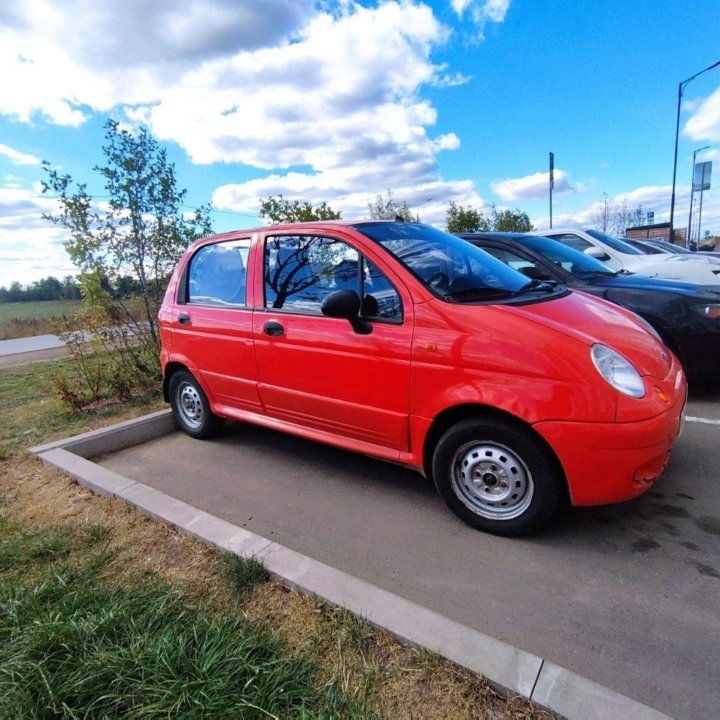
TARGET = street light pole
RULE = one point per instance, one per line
(681, 88)
(688, 237)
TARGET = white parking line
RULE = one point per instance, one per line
(705, 421)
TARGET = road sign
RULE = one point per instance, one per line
(701, 178)
(650, 215)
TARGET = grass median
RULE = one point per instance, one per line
(106, 613)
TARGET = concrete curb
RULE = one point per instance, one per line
(512, 670)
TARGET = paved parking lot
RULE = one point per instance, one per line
(626, 595)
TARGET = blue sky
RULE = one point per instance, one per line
(338, 101)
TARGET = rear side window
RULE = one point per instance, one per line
(301, 271)
(217, 274)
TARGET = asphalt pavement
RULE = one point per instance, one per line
(627, 595)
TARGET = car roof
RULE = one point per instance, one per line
(286, 227)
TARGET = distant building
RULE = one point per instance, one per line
(661, 231)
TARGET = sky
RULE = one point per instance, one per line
(338, 101)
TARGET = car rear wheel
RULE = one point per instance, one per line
(191, 408)
(497, 476)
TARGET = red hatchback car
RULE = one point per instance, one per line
(403, 342)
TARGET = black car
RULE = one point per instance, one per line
(685, 315)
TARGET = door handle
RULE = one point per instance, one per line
(272, 328)
(183, 318)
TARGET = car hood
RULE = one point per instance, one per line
(592, 320)
(638, 281)
(678, 268)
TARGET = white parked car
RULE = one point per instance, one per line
(617, 254)
(652, 246)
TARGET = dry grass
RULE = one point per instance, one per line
(368, 665)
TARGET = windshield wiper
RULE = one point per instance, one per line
(478, 293)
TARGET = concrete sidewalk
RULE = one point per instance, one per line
(508, 667)
(36, 343)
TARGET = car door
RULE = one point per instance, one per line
(317, 371)
(212, 324)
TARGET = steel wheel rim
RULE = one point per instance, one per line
(190, 406)
(491, 480)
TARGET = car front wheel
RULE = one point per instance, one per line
(496, 476)
(191, 408)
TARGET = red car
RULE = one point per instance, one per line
(403, 342)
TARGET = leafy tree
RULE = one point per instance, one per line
(390, 209)
(278, 210)
(511, 221)
(461, 219)
(468, 219)
(140, 231)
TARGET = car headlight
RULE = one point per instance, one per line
(710, 310)
(617, 371)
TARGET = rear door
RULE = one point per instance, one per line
(212, 323)
(318, 372)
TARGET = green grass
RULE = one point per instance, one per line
(243, 574)
(25, 319)
(75, 645)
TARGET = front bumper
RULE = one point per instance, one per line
(611, 462)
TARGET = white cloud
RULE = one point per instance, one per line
(482, 12)
(30, 247)
(18, 158)
(704, 124)
(62, 61)
(425, 194)
(532, 186)
(273, 84)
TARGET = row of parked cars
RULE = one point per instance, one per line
(517, 372)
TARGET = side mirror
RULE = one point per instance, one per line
(596, 252)
(534, 273)
(346, 304)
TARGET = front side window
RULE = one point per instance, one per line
(300, 271)
(217, 274)
(573, 241)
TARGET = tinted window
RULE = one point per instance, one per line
(301, 271)
(217, 274)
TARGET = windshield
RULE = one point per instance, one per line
(450, 267)
(615, 243)
(569, 259)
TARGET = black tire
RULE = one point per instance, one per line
(191, 408)
(497, 476)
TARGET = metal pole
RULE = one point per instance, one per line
(551, 181)
(699, 235)
(681, 87)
